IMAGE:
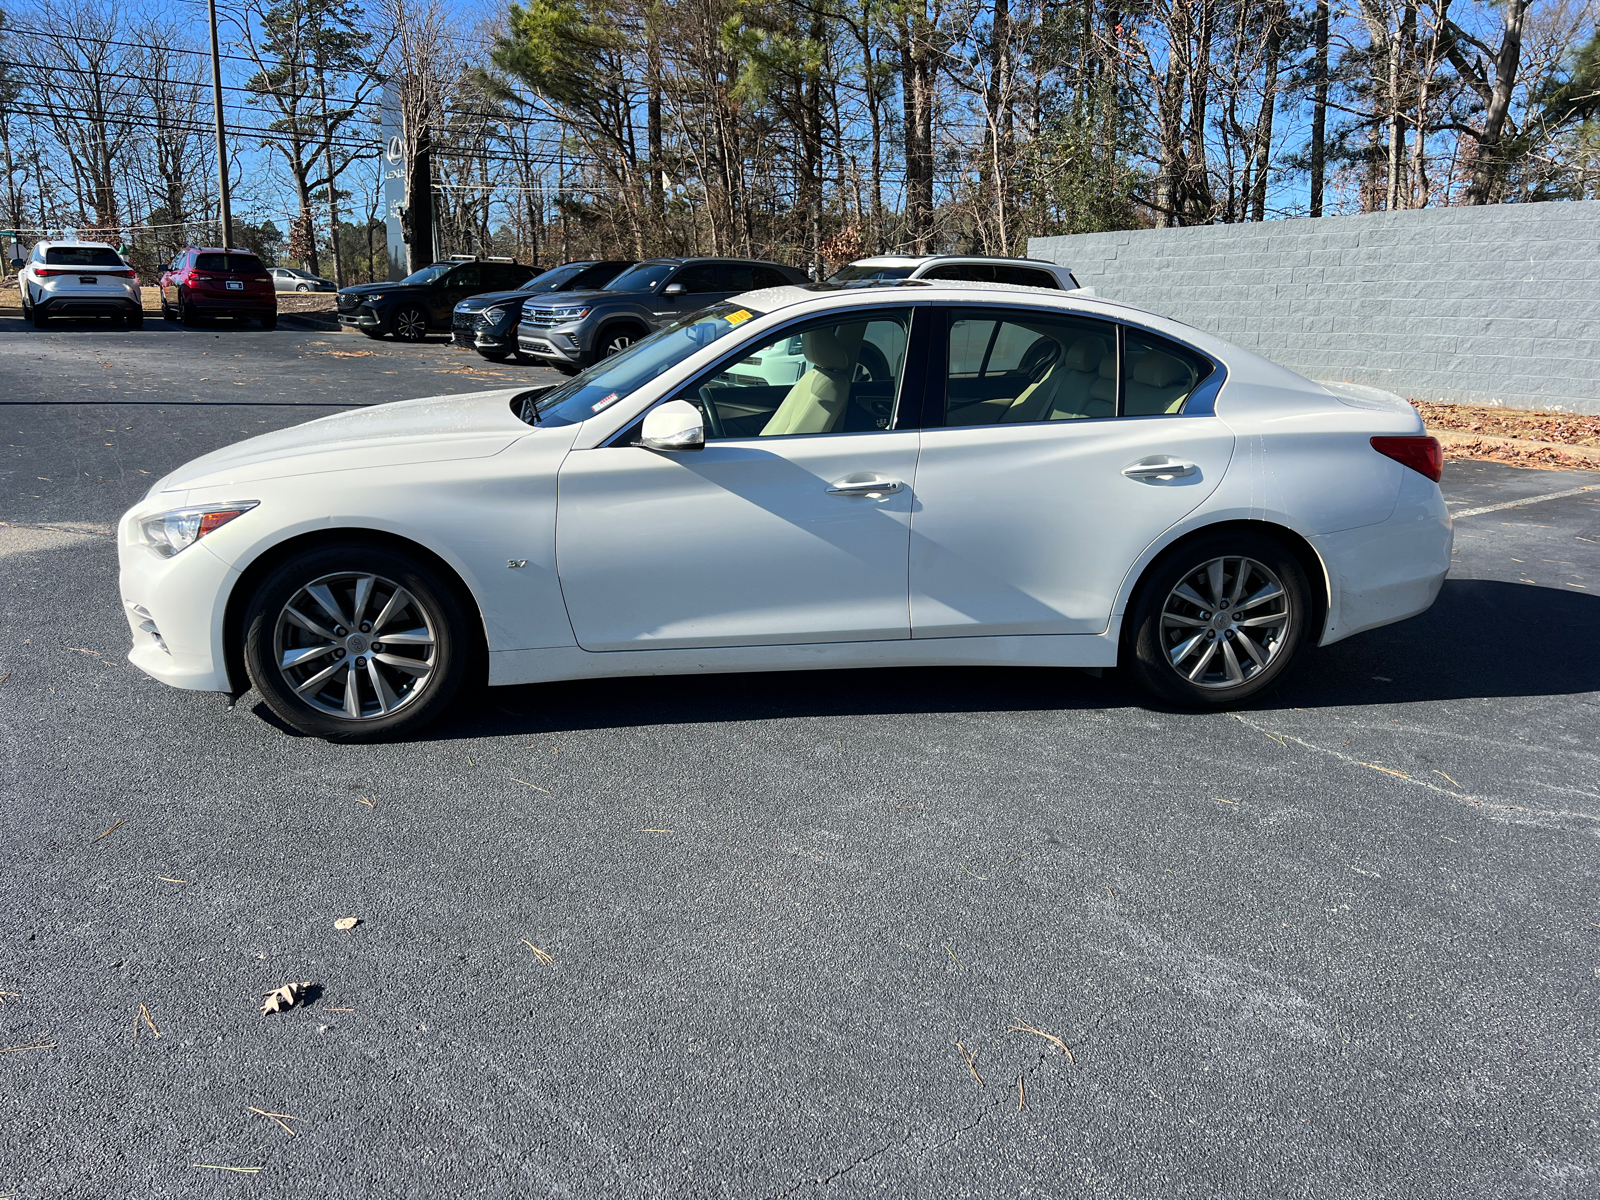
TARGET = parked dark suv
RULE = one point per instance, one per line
(488, 323)
(574, 329)
(426, 299)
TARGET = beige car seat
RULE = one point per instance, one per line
(1158, 383)
(816, 401)
(1042, 364)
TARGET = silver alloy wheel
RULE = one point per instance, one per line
(618, 344)
(342, 660)
(1225, 622)
(303, 288)
(410, 325)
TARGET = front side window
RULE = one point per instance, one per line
(827, 376)
(1006, 368)
(428, 274)
(554, 280)
(866, 273)
(699, 277)
(465, 277)
(613, 379)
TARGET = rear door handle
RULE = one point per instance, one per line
(864, 485)
(1160, 468)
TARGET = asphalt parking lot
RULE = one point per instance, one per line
(1343, 944)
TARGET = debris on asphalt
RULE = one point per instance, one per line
(655, 831)
(1439, 772)
(113, 829)
(280, 1118)
(170, 879)
(241, 1170)
(968, 1057)
(143, 1015)
(347, 922)
(1019, 1027)
(285, 997)
(370, 803)
(534, 786)
(1022, 1095)
(39, 1045)
(953, 957)
(538, 953)
(5, 677)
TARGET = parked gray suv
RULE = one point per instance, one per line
(573, 329)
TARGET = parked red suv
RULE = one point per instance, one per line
(213, 282)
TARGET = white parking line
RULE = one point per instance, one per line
(1489, 508)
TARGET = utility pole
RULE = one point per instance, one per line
(222, 148)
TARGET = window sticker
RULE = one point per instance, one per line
(605, 402)
(737, 318)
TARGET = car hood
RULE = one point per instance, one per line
(433, 429)
(490, 299)
(589, 296)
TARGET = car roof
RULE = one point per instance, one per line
(77, 242)
(217, 250)
(897, 260)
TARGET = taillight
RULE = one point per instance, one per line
(1423, 455)
(42, 273)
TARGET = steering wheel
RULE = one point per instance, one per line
(708, 406)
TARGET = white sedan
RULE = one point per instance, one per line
(959, 475)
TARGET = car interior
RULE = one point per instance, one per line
(1023, 369)
(848, 377)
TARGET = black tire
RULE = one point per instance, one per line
(375, 334)
(187, 316)
(454, 655)
(1159, 630)
(39, 317)
(135, 320)
(166, 313)
(409, 324)
(269, 321)
(495, 355)
(617, 339)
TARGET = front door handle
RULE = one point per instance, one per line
(864, 485)
(1160, 468)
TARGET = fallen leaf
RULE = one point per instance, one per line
(347, 922)
(285, 997)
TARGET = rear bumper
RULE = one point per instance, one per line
(1383, 573)
(88, 306)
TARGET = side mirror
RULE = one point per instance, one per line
(673, 289)
(675, 425)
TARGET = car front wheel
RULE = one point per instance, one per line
(617, 340)
(411, 324)
(355, 642)
(1219, 619)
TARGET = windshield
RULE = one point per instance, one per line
(247, 264)
(613, 379)
(642, 278)
(428, 274)
(82, 256)
(552, 279)
(856, 274)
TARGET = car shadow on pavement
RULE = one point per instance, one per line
(1481, 639)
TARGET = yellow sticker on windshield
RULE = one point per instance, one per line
(736, 318)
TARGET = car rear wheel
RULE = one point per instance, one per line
(186, 313)
(269, 321)
(302, 287)
(355, 642)
(410, 325)
(135, 320)
(1219, 619)
(39, 317)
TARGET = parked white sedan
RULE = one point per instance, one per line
(1021, 479)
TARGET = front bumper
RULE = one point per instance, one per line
(466, 331)
(361, 318)
(551, 345)
(175, 607)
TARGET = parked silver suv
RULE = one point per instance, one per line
(962, 268)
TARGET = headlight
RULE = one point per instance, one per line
(167, 533)
(566, 314)
(373, 299)
(494, 315)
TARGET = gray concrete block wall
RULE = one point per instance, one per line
(1498, 305)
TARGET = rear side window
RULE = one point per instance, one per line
(766, 277)
(596, 276)
(505, 275)
(82, 256)
(964, 273)
(238, 264)
(735, 277)
(1025, 277)
(700, 277)
(465, 277)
